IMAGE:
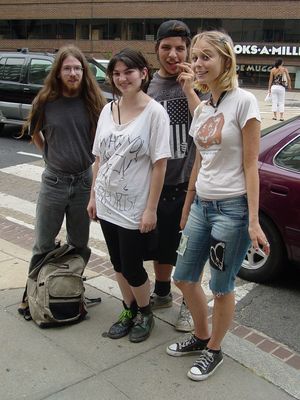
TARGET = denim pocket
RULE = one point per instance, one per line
(87, 179)
(236, 209)
(49, 178)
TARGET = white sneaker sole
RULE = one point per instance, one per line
(184, 328)
(194, 377)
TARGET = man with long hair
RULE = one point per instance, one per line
(62, 124)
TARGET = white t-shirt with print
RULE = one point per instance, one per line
(127, 153)
(218, 137)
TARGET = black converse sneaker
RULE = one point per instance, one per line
(190, 345)
(205, 365)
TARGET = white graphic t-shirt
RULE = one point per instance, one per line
(218, 137)
(127, 153)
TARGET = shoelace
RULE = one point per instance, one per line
(125, 314)
(191, 340)
(184, 312)
(139, 319)
(204, 360)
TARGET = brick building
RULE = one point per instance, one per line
(261, 30)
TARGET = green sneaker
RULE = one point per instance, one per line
(122, 326)
(143, 325)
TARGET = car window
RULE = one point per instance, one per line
(12, 69)
(38, 70)
(104, 63)
(289, 156)
(2, 63)
(98, 71)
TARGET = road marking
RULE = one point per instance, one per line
(29, 154)
(27, 171)
(28, 208)
(19, 222)
(15, 204)
(31, 226)
(98, 252)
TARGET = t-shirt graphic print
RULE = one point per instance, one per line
(179, 115)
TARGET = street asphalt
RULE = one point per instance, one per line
(81, 362)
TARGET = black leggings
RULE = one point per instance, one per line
(125, 247)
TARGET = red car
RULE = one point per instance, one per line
(279, 170)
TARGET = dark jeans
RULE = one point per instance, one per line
(168, 222)
(62, 195)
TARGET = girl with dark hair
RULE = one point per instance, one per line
(131, 149)
(279, 80)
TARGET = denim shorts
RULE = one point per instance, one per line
(216, 230)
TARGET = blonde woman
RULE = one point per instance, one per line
(222, 199)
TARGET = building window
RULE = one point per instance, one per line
(83, 29)
(241, 30)
(117, 29)
(291, 30)
(151, 27)
(5, 29)
(66, 29)
(19, 29)
(99, 29)
(136, 30)
(42, 29)
(252, 30)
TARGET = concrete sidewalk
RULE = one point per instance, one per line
(292, 106)
(80, 362)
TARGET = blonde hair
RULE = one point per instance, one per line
(224, 46)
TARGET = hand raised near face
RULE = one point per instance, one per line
(186, 76)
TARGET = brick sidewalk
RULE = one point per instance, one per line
(23, 236)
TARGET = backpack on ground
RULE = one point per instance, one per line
(55, 289)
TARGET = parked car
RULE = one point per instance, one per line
(103, 62)
(279, 206)
(22, 74)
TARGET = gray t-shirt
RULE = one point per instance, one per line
(168, 92)
(67, 132)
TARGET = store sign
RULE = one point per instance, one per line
(253, 68)
(261, 50)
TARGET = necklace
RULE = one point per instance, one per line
(119, 114)
(211, 102)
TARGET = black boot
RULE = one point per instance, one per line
(143, 325)
(125, 322)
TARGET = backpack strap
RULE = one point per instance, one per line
(93, 301)
(24, 307)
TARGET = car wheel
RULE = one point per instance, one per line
(1, 127)
(257, 266)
